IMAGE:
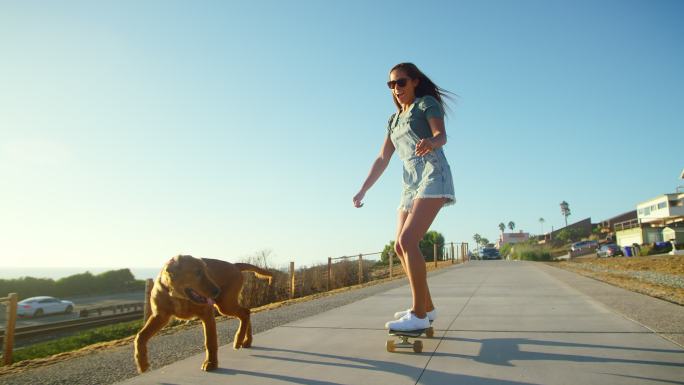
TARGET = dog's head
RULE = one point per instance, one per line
(187, 278)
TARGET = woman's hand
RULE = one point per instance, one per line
(358, 198)
(424, 146)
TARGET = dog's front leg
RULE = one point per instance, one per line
(243, 315)
(152, 326)
(210, 341)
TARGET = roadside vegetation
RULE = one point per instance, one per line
(114, 281)
(86, 338)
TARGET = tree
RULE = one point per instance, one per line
(565, 211)
(389, 248)
(478, 239)
(426, 245)
(511, 225)
(541, 221)
(502, 227)
(484, 241)
(569, 235)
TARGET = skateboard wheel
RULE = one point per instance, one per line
(430, 332)
(390, 346)
(417, 346)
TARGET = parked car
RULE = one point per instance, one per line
(490, 253)
(584, 245)
(38, 306)
(609, 250)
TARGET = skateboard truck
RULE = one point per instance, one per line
(404, 336)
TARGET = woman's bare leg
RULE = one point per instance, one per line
(416, 225)
(401, 220)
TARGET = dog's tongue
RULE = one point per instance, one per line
(211, 302)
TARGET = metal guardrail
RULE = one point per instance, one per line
(77, 324)
(121, 308)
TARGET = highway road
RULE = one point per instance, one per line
(81, 302)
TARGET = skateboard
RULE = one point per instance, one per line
(404, 336)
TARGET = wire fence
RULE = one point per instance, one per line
(340, 272)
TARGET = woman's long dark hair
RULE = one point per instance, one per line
(425, 86)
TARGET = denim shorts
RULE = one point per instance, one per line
(427, 177)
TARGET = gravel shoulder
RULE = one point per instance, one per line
(657, 276)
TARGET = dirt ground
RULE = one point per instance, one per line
(658, 276)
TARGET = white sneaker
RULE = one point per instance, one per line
(409, 322)
(431, 315)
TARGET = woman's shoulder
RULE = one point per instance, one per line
(426, 101)
(430, 106)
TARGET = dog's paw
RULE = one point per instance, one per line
(237, 345)
(209, 365)
(143, 366)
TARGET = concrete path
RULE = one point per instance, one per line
(499, 322)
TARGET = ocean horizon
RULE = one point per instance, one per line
(61, 272)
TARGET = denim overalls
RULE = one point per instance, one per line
(427, 176)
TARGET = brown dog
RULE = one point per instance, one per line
(189, 287)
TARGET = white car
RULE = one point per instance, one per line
(38, 306)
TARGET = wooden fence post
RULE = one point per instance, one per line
(9, 329)
(434, 253)
(391, 258)
(329, 272)
(303, 279)
(292, 280)
(360, 269)
(453, 258)
(148, 305)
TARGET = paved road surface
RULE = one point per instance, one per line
(81, 302)
(500, 322)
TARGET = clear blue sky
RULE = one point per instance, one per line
(133, 131)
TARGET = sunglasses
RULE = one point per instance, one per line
(401, 82)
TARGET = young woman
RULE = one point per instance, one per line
(416, 131)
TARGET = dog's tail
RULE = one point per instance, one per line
(259, 272)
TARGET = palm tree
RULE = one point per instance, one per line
(541, 221)
(565, 210)
(484, 241)
(477, 238)
(511, 225)
(502, 227)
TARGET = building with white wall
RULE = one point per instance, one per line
(512, 238)
(658, 219)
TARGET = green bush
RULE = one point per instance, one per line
(505, 250)
(527, 252)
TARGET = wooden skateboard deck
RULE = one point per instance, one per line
(404, 336)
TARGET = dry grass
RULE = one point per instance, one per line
(624, 273)
(313, 280)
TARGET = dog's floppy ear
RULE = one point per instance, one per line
(172, 265)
